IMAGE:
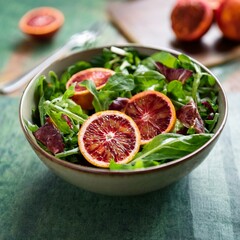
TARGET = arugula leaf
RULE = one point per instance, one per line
(172, 146)
(30, 126)
(101, 100)
(68, 153)
(197, 79)
(40, 98)
(116, 86)
(68, 93)
(58, 121)
(48, 105)
(167, 147)
(212, 123)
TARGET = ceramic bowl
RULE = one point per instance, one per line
(109, 182)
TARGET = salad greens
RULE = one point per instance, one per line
(191, 89)
(164, 147)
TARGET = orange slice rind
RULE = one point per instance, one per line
(82, 96)
(153, 112)
(109, 135)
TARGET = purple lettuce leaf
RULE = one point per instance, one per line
(171, 74)
(189, 116)
(50, 137)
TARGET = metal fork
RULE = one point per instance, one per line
(80, 40)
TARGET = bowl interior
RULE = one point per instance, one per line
(28, 103)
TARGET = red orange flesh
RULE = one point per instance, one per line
(42, 22)
(82, 96)
(109, 135)
(153, 112)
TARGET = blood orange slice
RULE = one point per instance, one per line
(42, 23)
(153, 112)
(109, 135)
(82, 96)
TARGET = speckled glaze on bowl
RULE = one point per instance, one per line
(109, 182)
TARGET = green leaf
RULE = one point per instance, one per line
(172, 146)
(31, 127)
(104, 99)
(165, 58)
(132, 166)
(117, 85)
(207, 80)
(149, 80)
(40, 98)
(175, 89)
(61, 124)
(68, 153)
(77, 67)
(164, 148)
(212, 123)
(68, 93)
(51, 106)
(196, 82)
(89, 84)
(185, 62)
(119, 82)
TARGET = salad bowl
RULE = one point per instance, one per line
(117, 182)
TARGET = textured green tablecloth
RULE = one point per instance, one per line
(36, 204)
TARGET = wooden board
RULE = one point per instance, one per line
(148, 22)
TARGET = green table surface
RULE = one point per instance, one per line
(36, 204)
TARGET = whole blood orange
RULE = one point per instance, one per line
(191, 19)
(228, 19)
(82, 96)
(109, 135)
(153, 112)
(42, 22)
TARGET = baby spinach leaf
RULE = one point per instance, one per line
(119, 82)
(78, 66)
(165, 58)
(185, 62)
(175, 90)
(149, 80)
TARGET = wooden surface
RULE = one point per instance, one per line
(148, 22)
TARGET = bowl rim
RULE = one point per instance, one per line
(103, 171)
